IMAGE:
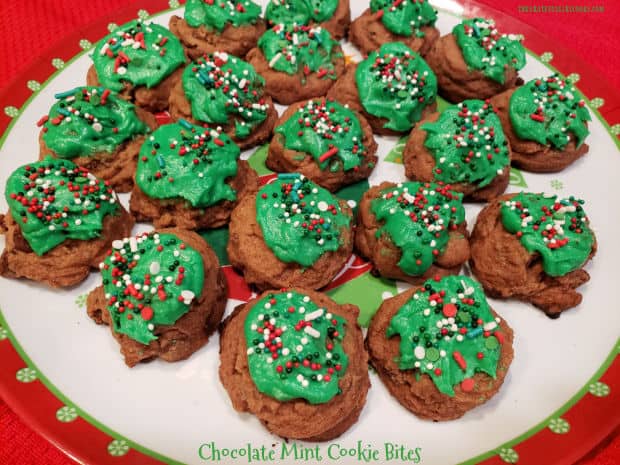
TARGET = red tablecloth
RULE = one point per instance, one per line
(27, 27)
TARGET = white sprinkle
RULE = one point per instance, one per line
(322, 206)
(314, 315)
(312, 332)
(187, 295)
(273, 61)
(491, 325)
(154, 268)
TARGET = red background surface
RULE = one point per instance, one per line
(29, 27)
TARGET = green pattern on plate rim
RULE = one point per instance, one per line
(546, 57)
(118, 448)
(66, 414)
(508, 455)
(559, 425)
(33, 85)
(599, 389)
(26, 375)
(85, 44)
(597, 102)
(3, 334)
(11, 111)
(58, 63)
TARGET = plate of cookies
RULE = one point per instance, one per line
(309, 231)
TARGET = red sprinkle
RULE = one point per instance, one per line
(458, 358)
(449, 310)
(330, 153)
(147, 313)
(467, 385)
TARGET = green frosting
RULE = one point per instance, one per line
(417, 218)
(216, 14)
(447, 331)
(189, 162)
(224, 89)
(89, 120)
(404, 17)
(468, 144)
(557, 229)
(300, 11)
(546, 109)
(486, 50)
(139, 53)
(295, 348)
(300, 221)
(148, 281)
(396, 84)
(54, 200)
(328, 131)
(291, 49)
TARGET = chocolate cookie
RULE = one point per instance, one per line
(546, 122)
(296, 360)
(476, 61)
(533, 247)
(293, 233)
(60, 224)
(190, 177)
(412, 231)
(325, 141)
(463, 146)
(221, 90)
(440, 349)
(411, 22)
(233, 26)
(297, 62)
(163, 294)
(332, 15)
(141, 61)
(96, 130)
(392, 88)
